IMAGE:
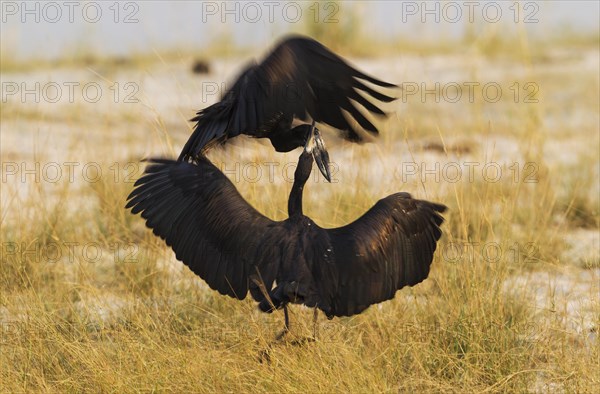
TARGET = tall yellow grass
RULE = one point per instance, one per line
(135, 319)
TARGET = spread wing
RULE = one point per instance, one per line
(389, 247)
(299, 78)
(209, 225)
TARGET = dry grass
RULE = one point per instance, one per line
(115, 312)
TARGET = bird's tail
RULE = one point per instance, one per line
(211, 128)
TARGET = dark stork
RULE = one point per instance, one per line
(235, 249)
(300, 79)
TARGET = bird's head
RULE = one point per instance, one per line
(316, 146)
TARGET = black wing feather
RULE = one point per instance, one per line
(190, 206)
(389, 247)
(299, 78)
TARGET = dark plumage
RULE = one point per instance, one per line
(299, 79)
(235, 249)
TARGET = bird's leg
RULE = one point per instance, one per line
(302, 341)
(286, 318)
(315, 326)
(264, 355)
(286, 327)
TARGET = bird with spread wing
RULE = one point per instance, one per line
(200, 214)
(300, 79)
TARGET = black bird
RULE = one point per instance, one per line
(234, 248)
(299, 79)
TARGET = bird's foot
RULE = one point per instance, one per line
(282, 334)
(302, 341)
(265, 355)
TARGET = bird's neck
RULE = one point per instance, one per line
(295, 200)
(300, 177)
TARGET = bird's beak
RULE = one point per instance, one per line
(316, 146)
(321, 155)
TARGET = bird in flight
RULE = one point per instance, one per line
(300, 79)
(200, 214)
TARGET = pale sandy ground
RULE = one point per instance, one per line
(169, 94)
